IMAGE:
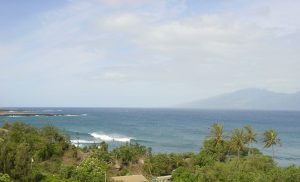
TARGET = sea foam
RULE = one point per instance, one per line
(109, 138)
(71, 115)
(74, 115)
(83, 141)
(14, 116)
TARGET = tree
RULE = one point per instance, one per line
(217, 134)
(101, 152)
(129, 153)
(103, 147)
(25, 146)
(216, 145)
(250, 136)
(91, 170)
(271, 139)
(160, 164)
(237, 141)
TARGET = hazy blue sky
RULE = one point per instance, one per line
(149, 53)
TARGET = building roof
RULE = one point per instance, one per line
(132, 178)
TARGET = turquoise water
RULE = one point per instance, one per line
(168, 130)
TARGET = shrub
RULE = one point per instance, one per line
(25, 146)
(5, 178)
(160, 164)
(182, 174)
(91, 170)
(67, 171)
(129, 153)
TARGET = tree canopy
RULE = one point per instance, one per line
(46, 154)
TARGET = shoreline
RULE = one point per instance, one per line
(25, 113)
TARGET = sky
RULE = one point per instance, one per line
(144, 53)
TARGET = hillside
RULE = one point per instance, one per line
(252, 99)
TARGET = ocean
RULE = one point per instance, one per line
(167, 130)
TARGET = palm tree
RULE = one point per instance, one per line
(237, 141)
(250, 136)
(217, 134)
(215, 143)
(271, 139)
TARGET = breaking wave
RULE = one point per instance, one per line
(73, 115)
(110, 138)
(14, 116)
(83, 141)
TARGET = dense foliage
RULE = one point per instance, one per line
(46, 154)
(91, 170)
(23, 147)
(5, 178)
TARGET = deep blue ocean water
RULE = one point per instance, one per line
(168, 130)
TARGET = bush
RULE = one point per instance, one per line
(204, 159)
(5, 178)
(162, 164)
(67, 171)
(249, 169)
(102, 153)
(53, 178)
(124, 172)
(182, 174)
(216, 152)
(129, 153)
(91, 170)
(25, 146)
(289, 174)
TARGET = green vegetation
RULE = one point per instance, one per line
(271, 139)
(46, 154)
(5, 178)
(91, 169)
(250, 137)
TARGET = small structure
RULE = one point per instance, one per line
(163, 178)
(132, 178)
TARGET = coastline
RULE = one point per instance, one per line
(24, 113)
(155, 127)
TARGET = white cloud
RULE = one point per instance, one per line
(122, 2)
(155, 51)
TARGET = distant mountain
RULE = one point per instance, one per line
(250, 99)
